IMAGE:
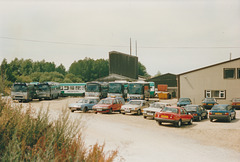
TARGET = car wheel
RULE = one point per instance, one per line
(85, 109)
(144, 117)
(234, 116)
(206, 116)
(139, 112)
(123, 113)
(159, 122)
(190, 122)
(229, 119)
(211, 119)
(179, 123)
(95, 112)
(199, 118)
(110, 111)
(72, 110)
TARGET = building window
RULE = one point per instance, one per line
(229, 73)
(215, 94)
(208, 94)
(238, 73)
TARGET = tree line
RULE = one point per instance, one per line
(26, 70)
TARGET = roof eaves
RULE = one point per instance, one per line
(208, 66)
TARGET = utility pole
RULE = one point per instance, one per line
(230, 56)
(130, 46)
(136, 47)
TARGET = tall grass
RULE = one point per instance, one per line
(30, 136)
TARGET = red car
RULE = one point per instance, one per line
(108, 105)
(236, 103)
(175, 115)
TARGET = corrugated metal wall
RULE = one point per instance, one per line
(123, 64)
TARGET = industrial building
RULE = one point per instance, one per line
(220, 81)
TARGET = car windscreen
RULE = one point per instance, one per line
(219, 107)
(209, 100)
(236, 100)
(157, 105)
(135, 102)
(184, 100)
(170, 109)
(91, 101)
(191, 108)
(105, 102)
(81, 101)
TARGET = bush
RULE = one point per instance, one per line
(26, 135)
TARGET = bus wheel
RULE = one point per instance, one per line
(85, 109)
(139, 112)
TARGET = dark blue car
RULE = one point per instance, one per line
(223, 112)
(208, 103)
(183, 102)
(197, 111)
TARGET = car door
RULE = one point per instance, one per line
(144, 105)
(231, 111)
(200, 110)
(204, 111)
(183, 115)
(114, 104)
(91, 103)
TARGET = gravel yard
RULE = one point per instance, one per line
(139, 139)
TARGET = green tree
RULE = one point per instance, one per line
(61, 69)
(24, 79)
(36, 76)
(71, 78)
(89, 69)
(26, 67)
(158, 74)
(51, 76)
(142, 70)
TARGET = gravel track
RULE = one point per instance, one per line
(139, 139)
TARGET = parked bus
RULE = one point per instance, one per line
(23, 92)
(48, 90)
(118, 89)
(138, 90)
(96, 89)
(72, 89)
(152, 89)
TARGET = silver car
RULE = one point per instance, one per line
(84, 104)
(134, 107)
(155, 107)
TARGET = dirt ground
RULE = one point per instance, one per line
(139, 139)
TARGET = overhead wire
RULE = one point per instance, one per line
(84, 44)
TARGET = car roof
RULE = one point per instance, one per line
(137, 100)
(91, 97)
(222, 105)
(175, 107)
(193, 105)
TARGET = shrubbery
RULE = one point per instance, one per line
(29, 136)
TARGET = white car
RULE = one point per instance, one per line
(155, 107)
(134, 107)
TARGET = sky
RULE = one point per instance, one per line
(173, 36)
